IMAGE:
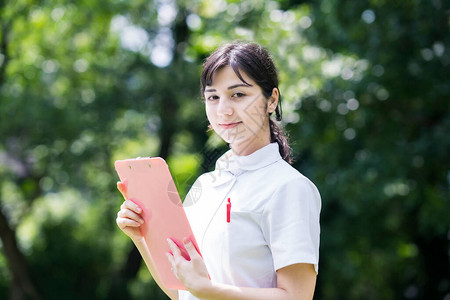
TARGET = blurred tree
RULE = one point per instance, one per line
(365, 97)
(378, 145)
(54, 118)
(78, 85)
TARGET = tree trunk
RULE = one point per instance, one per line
(22, 288)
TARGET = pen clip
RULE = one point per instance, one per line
(228, 210)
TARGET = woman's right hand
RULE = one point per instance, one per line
(129, 217)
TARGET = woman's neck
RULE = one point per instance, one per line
(248, 147)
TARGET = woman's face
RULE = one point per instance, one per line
(238, 112)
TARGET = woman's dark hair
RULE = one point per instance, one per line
(256, 62)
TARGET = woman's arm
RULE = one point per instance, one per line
(295, 281)
(129, 221)
(143, 250)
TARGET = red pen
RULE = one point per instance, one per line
(228, 210)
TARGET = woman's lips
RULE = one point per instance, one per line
(229, 125)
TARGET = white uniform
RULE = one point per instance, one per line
(274, 219)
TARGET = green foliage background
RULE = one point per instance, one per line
(365, 90)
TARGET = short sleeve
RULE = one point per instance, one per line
(290, 223)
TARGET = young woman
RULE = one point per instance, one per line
(255, 218)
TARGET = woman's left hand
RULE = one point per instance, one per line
(191, 273)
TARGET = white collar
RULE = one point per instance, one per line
(236, 164)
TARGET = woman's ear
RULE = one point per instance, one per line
(273, 101)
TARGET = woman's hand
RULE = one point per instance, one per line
(129, 217)
(191, 273)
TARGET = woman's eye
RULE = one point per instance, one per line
(238, 95)
(212, 97)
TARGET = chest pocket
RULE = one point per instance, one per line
(243, 235)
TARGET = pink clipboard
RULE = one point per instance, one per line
(149, 184)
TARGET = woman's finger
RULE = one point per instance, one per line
(129, 214)
(122, 189)
(131, 205)
(174, 248)
(171, 260)
(191, 249)
(125, 222)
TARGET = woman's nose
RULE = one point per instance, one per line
(225, 107)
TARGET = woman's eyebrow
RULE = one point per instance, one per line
(210, 90)
(239, 85)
